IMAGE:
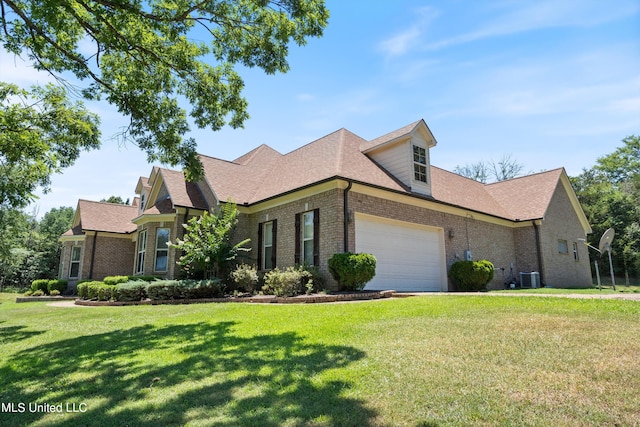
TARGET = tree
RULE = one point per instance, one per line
(143, 56)
(503, 169)
(610, 196)
(207, 246)
(115, 199)
(30, 249)
(41, 132)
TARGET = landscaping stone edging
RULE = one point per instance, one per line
(44, 298)
(260, 299)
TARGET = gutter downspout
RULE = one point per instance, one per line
(93, 255)
(345, 200)
(536, 230)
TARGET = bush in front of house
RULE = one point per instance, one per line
(289, 282)
(245, 277)
(59, 286)
(96, 291)
(131, 291)
(184, 289)
(40, 285)
(352, 271)
(471, 276)
(115, 280)
(143, 278)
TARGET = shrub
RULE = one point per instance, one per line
(54, 293)
(184, 289)
(37, 293)
(41, 285)
(246, 277)
(28, 293)
(469, 276)
(287, 283)
(96, 291)
(131, 291)
(115, 280)
(352, 271)
(143, 278)
(57, 285)
(83, 290)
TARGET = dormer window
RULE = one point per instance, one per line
(142, 201)
(419, 163)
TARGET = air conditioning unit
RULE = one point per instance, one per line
(530, 280)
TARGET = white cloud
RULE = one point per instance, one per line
(518, 17)
(408, 39)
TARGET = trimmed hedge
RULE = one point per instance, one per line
(96, 291)
(470, 276)
(41, 285)
(143, 278)
(184, 289)
(57, 285)
(352, 271)
(289, 282)
(131, 291)
(115, 280)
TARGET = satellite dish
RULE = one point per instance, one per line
(606, 239)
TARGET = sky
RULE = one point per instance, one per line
(551, 83)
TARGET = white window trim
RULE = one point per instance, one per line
(303, 254)
(140, 253)
(75, 262)
(417, 163)
(166, 250)
(265, 245)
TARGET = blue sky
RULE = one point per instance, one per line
(550, 83)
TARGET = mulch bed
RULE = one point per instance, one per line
(257, 299)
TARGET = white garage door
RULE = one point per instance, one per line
(410, 257)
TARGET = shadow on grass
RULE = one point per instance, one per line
(15, 333)
(183, 374)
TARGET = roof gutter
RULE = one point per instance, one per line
(536, 230)
(345, 200)
(93, 255)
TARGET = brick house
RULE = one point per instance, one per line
(340, 193)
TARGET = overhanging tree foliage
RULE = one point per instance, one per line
(41, 133)
(142, 56)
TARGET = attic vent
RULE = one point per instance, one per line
(530, 280)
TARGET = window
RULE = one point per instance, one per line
(267, 243)
(142, 200)
(142, 246)
(419, 163)
(307, 248)
(563, 246)
(74, 268)
(575, 252)
(162, 249)
(307, 238)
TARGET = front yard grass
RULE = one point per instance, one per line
(421, 361)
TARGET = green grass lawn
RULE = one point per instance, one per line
(421, 361)
(603, 290)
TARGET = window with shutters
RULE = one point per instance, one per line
(307, 249)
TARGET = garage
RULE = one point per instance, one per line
(410, 257)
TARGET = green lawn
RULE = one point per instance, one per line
(421, 361)
(604, 290)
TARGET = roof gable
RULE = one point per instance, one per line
(107, 217)
(400, 135)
